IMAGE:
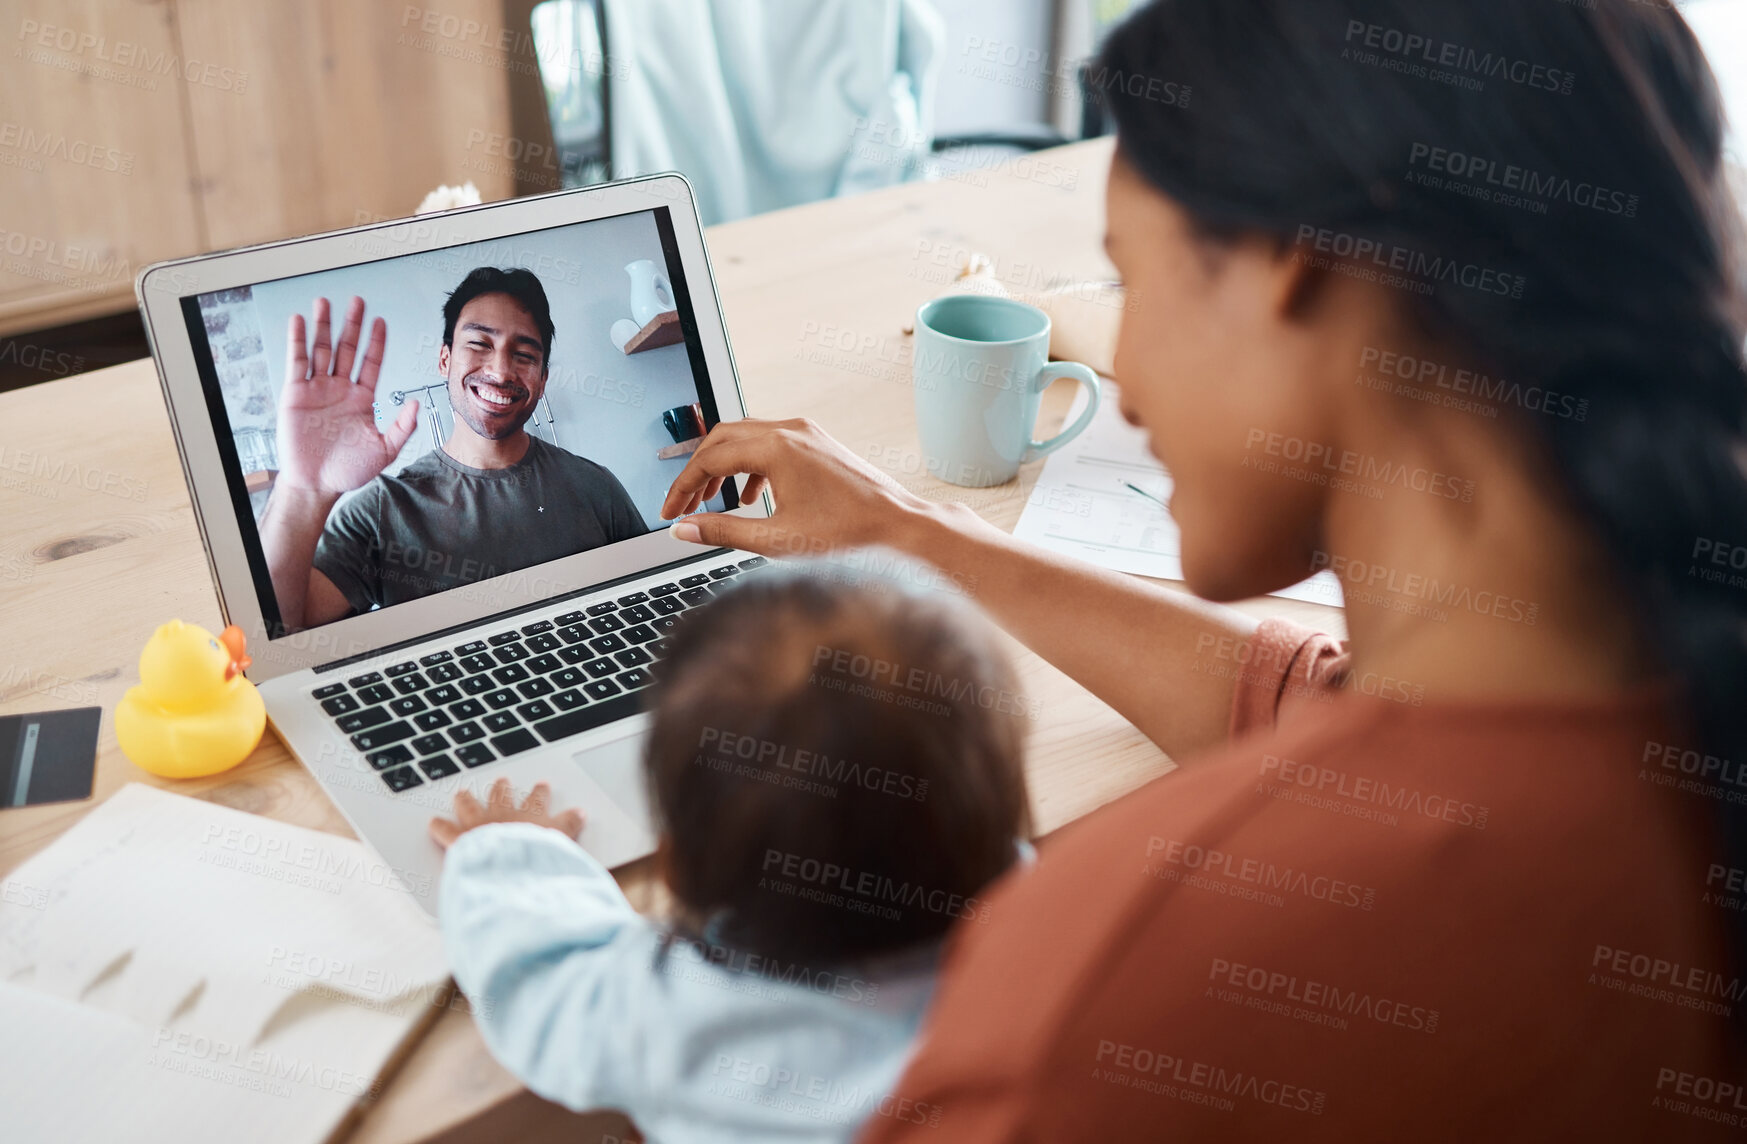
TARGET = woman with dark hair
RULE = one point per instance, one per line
(1443, 297)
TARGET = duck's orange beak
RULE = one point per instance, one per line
(232, 639)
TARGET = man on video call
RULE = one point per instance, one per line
(491, 500)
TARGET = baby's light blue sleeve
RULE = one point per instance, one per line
(552, 957)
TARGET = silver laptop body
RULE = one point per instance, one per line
(377, 704)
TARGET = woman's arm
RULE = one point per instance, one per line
(1165, 661)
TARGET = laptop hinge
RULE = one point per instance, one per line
(534, 605)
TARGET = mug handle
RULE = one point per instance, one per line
(1094, 394)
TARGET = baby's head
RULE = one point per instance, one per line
(836, 767)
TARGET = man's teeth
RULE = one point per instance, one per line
(494, 397)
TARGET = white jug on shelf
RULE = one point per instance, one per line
(651, 294)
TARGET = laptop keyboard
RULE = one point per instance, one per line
(489, 699)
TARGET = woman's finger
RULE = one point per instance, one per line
(728, 451)
(723, 530)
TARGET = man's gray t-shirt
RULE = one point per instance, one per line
(438, 524)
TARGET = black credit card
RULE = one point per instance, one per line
(48, 756)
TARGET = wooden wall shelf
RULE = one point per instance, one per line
(662, 330)
(683, 449)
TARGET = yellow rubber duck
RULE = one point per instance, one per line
(193, 713)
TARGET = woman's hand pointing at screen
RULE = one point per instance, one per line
(826, 497)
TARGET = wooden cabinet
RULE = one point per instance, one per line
(93, 146)
(137, 130)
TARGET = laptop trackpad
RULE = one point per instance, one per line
(605, 783)
(609, 833)
(613, 775)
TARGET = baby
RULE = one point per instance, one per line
(834, 790)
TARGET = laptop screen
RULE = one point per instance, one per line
(420, 423)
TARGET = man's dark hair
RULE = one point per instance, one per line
(837, 767)
(519, 284)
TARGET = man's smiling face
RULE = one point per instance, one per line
(496, 366)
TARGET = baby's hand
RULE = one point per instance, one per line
(500, 806)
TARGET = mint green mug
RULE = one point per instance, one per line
(981, 366)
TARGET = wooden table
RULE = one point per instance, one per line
(100, 545)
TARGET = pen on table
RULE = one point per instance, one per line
(1147, 495)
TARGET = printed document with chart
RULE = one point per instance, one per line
(1101, 498)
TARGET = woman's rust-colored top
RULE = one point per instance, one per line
(1370, 916)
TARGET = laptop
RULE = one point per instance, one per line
(433, 510)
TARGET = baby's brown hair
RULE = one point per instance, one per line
(836, 764)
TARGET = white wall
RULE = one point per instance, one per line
(607, 406)
(982, 95)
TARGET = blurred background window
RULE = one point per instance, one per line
(1721, 26)
(568, 43)
(767, 103)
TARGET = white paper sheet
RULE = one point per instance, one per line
(1082, 505)
(209, 975)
